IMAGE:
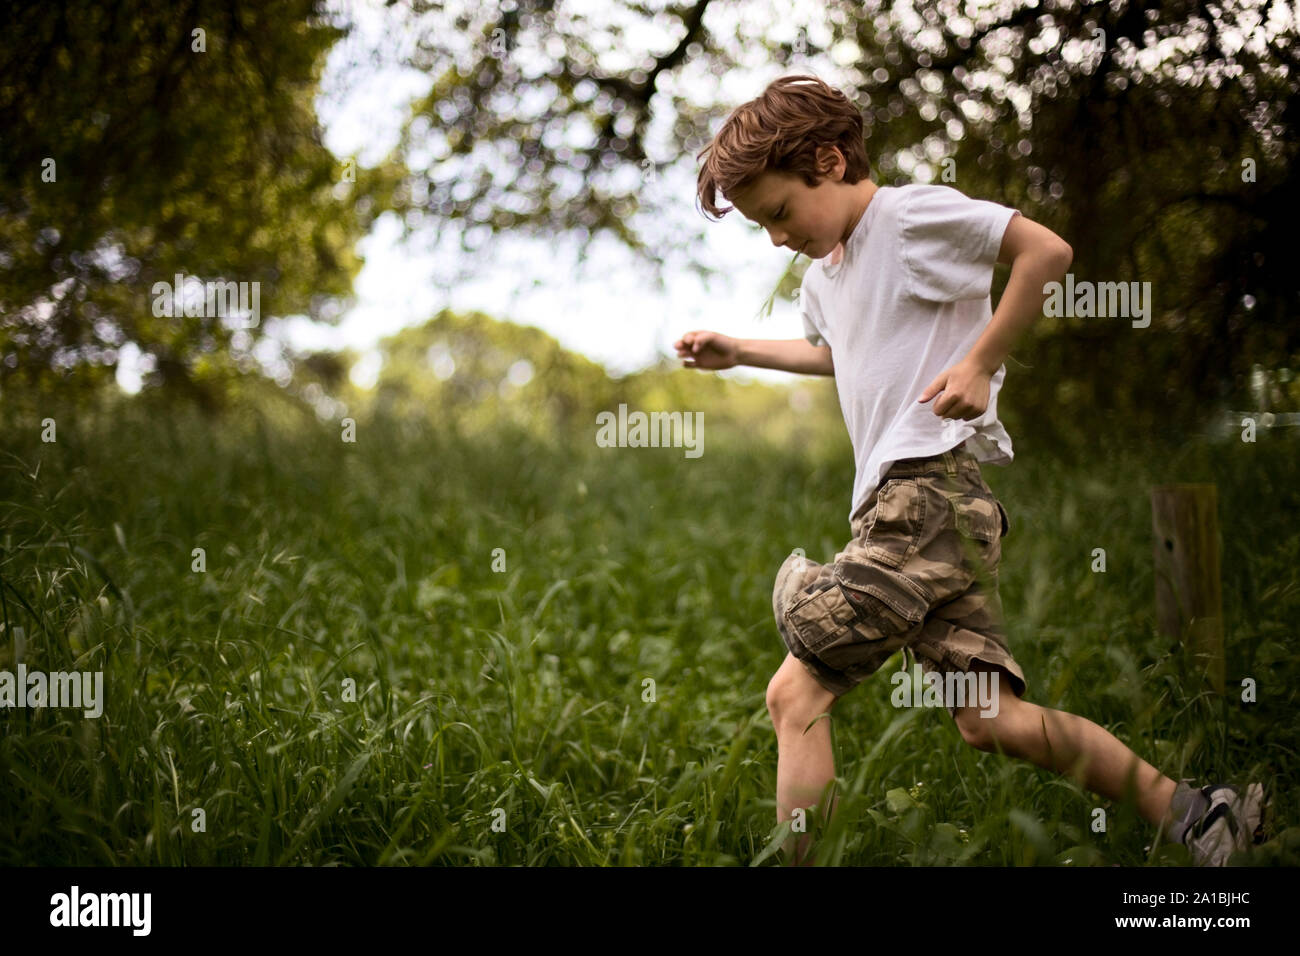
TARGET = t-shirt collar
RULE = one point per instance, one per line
(858, 232)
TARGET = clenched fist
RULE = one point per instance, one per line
(707, 350)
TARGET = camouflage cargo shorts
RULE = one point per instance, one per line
(920, 575)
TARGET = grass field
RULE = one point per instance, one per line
(505, 716)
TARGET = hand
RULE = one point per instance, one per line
(708, 350)
(965, 391)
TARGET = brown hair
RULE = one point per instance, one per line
(780, 131)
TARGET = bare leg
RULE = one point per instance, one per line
(805, 763)
(1068, 744)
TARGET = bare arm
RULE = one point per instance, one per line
(1037, 256)
(714, 351)
(788, 355)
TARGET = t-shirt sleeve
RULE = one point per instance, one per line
(950, 243)
(811, 315)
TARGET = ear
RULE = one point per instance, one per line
(830, 163)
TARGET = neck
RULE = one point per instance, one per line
(862, 194)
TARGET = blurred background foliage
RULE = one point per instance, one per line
(183, 139)
(1158, 138)
(477, 433)
(473, 373)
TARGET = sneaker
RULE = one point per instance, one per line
(1229, 824)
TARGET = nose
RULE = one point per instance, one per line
(778, 238)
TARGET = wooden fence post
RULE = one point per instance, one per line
(1189, 593)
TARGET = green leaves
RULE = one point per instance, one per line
(166, 161)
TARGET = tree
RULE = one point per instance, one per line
(145, 140)
(1127, 128)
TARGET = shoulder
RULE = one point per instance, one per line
(942, 215)
(919, 200)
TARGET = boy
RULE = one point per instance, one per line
(898, 298)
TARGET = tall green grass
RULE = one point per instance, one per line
(525, 690)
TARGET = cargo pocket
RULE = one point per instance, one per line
(896, 523)
(978, 519)
(819, 619)
(978, 516)
(867, 588)
(883, 620)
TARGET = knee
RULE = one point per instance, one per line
(794, 697)
(780, 695)
(992, 724)
(975, 730)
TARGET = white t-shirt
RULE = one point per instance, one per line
(908, 299)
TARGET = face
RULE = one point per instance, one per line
(811, 220)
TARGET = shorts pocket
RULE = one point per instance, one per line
(978, 516)
(896, 522)
(820, 618)
(877, 631)
(867, 588)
